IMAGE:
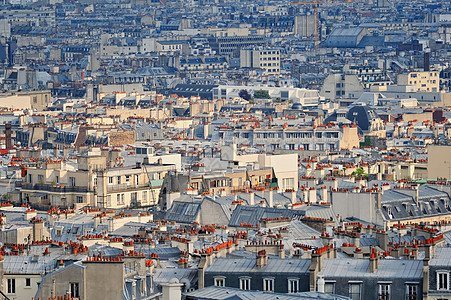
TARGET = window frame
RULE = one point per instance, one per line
(355, 283)
(247, 286)
(11, 286)
(219, 279)
(439, 273)
(75, 293)
(296, 282)
(270, 281)
(333, 283)
(408, 294)
(384, 290)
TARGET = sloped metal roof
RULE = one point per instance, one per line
(359, 268)
(442, 257)
(29, 264)
(253, 214)
(246, 265)
(222, 293)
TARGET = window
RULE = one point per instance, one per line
(71, 181)
(245, 283)
(110, 180)
(118, 198)
(411, 291)
(57, 179)
(442, 281)
(288, 183)
(74, 290)
(122, 198)
(108, 201)
(137, 179)
(118, 179)
(79, 199)
(11, 286)
(355, 290)
(293, 285)
(384, 291)
(220, 281)
(329, 287)
(27, 282)
(127, 178)
(41, 179)
(144, 200)
(268, 284)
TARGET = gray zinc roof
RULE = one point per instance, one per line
(360, 268)
(253, 214)
(273, 266)
(441, 257)
(222, 293)
(29, 264)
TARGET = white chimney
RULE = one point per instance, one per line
(251, 198)
(304, 196)
(312, 195)
(321, 283)
(324, 194)
(270, 198)
(172, 290)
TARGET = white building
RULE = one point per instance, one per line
(303, 96)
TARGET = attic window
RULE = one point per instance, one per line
(434, 204)
(389, 212)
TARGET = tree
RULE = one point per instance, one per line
(261, 94)
(359, 173)
(245, 95)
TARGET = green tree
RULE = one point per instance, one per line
(261, 94)
(359, 173)
(245, 95)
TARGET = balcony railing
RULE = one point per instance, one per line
(52, 188)
(125, 186)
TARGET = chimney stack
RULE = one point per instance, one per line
(172, 290)
(324, 194)
(321, 283)
(374, 261)
(262, 258)
(270, 198)
(251, 198)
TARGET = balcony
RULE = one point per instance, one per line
(51, 188)
(129, 187)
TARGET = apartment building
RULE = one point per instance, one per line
(426, 81)
(94, 183)
(293, 138)
(265, 59)
(227, 45)
(36, 100)
(305, 97)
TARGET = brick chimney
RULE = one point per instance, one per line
(374, 261)
(262, 258)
